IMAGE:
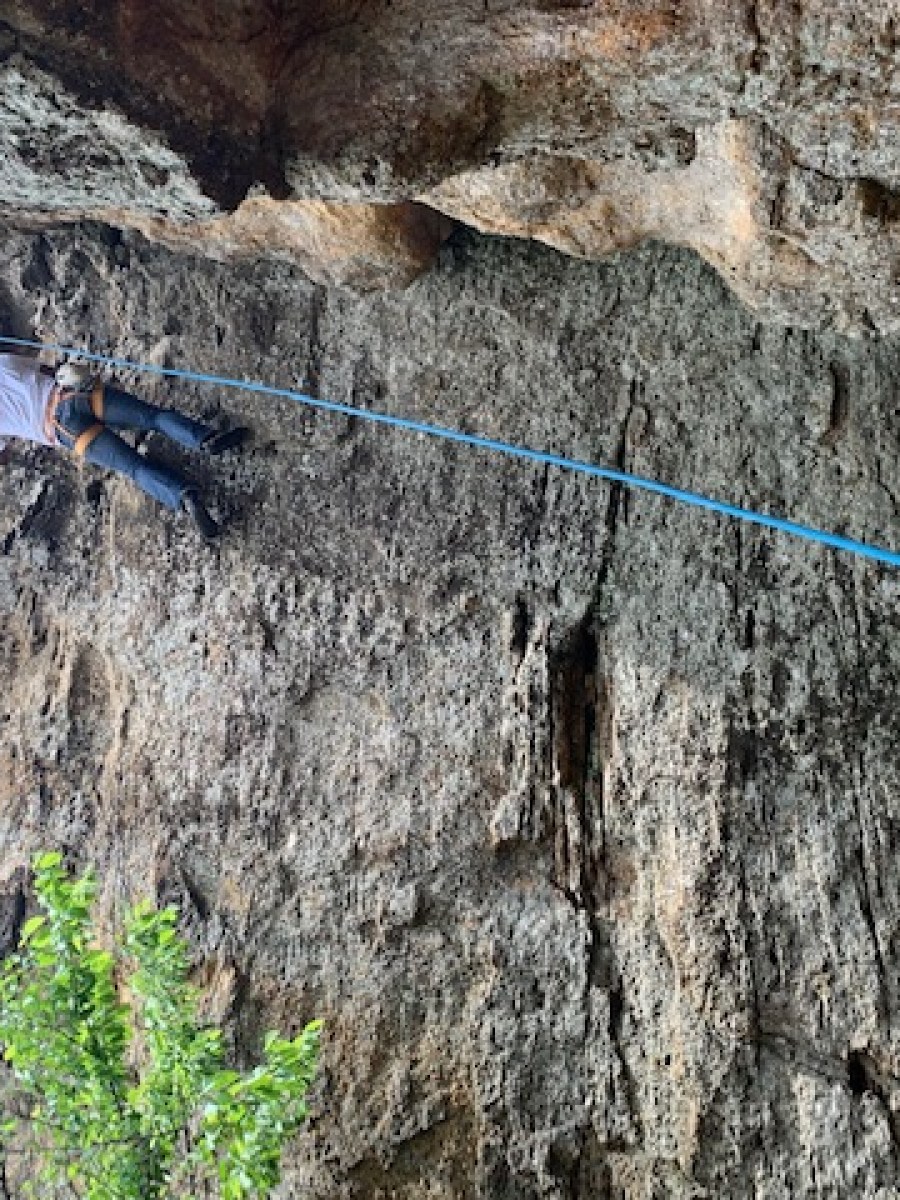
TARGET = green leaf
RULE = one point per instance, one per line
(48, 860)
(70, 1043)
(31, 926)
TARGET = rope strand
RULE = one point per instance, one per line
(807, 532)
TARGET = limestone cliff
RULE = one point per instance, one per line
(763, 135)
(571, 811)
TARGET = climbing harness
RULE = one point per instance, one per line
(94, 391)
(808, 533)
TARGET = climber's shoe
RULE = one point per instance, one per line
(225, 439)
(196, 510)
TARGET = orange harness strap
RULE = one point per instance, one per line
(84, 440)
(97, 394)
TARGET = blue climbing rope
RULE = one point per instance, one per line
(821, 536)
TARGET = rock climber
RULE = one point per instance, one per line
(81, 414)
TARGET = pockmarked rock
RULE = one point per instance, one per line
(572, 812)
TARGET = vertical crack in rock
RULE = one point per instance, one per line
(753, 25)
(583, 747)
(520, 624)
(839, 414)
(575, 713)
(865, 892)
(854, 668)
(13, 910)
(864, 1076)
(582, 742)
(314, 368)
(36, 508)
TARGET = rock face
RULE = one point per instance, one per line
(764, 136)
(571, 811)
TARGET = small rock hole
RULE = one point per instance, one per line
(857, 1074)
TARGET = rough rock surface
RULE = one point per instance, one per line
(766, 136)
(573, 812)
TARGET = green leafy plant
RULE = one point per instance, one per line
(110, 1100)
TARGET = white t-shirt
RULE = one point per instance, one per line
(24, 394)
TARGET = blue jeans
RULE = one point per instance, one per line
(121, 410)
